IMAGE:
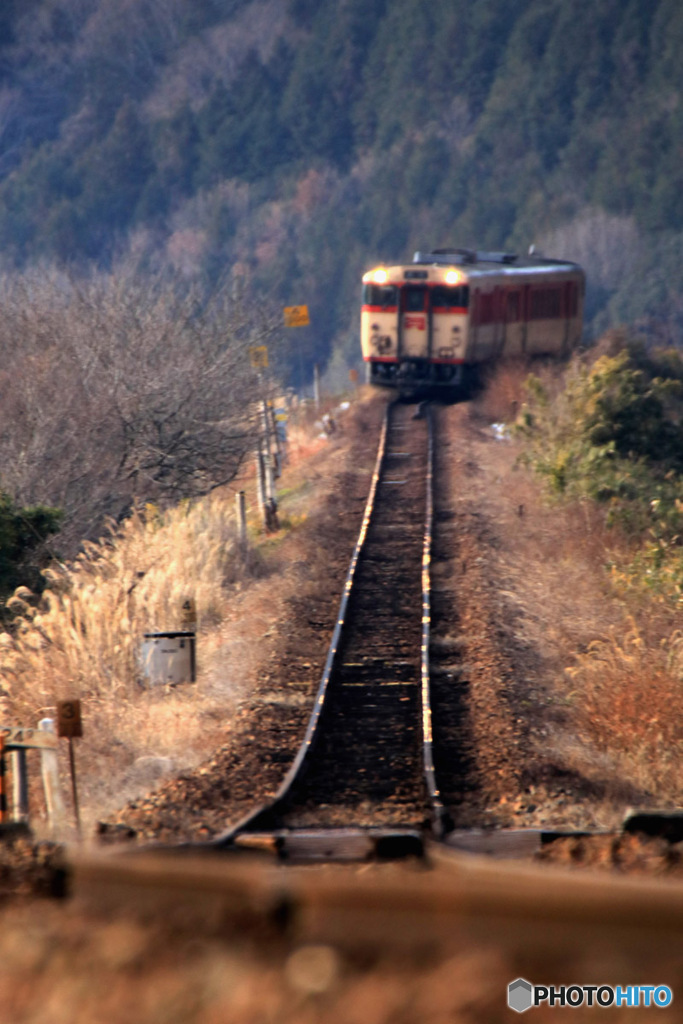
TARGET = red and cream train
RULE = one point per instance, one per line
(435, 321)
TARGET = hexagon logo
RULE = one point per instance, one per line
(520, 995)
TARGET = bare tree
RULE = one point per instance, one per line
(606, 245)
(118, 387)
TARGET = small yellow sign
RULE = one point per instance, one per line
(296, 316)
(258, 357)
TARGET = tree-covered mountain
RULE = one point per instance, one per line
(295, 142)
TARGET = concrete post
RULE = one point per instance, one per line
(19, 785)
(265, 424)
(56, 811)
(261, 484)
(277, 444)
(316, 386)
(241, 514)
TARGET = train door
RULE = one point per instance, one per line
(446, 335)
(414, 322)
(526, 316)
(498, 321)
(473, 337)
(514, 322)
(484, 336)
(569, 310)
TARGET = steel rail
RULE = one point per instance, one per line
(441, 822)
(261, 826)
(227, 837)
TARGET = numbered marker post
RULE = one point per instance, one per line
(189, 613)
(69, 726)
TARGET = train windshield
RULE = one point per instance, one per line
(444, 297)
(413, 298)
(382, 295)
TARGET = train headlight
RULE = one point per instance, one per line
(380, 277)
(452, 277)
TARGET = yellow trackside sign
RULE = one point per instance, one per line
(258, 357)
(296, 316)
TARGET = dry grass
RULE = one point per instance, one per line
(615, 717)
(629, 706)
(83, 638)
(503, 391)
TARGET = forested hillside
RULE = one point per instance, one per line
(299, 142)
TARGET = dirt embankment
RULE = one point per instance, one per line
(510, 609)
(519, 589)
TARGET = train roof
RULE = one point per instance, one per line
(473, 263)
(485, 260)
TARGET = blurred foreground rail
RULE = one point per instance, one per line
(410, 904)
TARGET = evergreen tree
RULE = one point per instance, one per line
(23, 531)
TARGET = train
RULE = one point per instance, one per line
(435, 322)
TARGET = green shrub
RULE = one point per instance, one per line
(613, 434)
(23, 532)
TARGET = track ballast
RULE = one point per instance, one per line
(362, 763)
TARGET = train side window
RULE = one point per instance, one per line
(380, 295)
(512, 308)
(487, 308)
(572, 299)
(546, 303)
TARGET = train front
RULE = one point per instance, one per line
(414, 326)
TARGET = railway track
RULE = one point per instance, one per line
(364, 773)
(364, 785)
(369, 776)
